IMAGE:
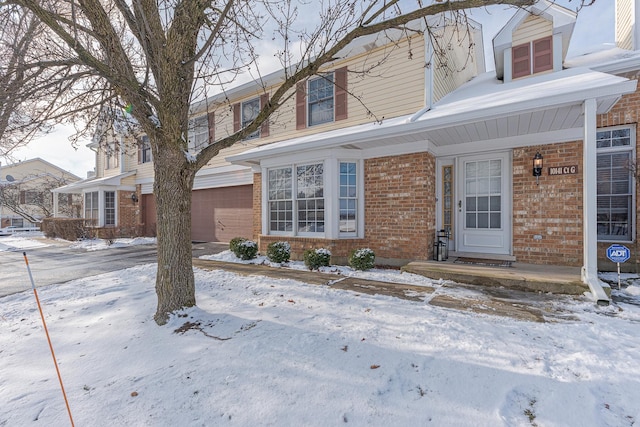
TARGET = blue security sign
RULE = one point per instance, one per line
(618, 253)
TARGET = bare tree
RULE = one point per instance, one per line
(158, 57)
(31, 198)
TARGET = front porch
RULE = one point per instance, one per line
(519, 276)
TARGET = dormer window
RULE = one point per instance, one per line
(532, 57)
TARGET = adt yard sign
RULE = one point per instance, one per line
(618, 253)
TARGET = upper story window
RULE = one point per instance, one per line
(245, 112)
(322, 99)
(112, 156)
(250, 110)
(615, 213)
(144, 151)
(198, 133)
(532, 57)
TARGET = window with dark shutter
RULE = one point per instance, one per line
(542, 55)
(521, 56)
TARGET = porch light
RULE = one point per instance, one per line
(537, 166)
(134, 197)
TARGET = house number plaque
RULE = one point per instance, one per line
(563, 170)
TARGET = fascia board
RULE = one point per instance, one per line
(610, 90)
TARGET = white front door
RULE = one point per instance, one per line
(484, 204)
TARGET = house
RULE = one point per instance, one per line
(533, 162)
(25, 192)
(376, 79)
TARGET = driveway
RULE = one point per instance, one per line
(58, 263)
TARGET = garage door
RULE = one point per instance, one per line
(220, 214)
(217, 214)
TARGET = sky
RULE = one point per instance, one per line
(260, 351)
(595, 27)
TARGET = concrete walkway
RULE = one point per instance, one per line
(491, 300)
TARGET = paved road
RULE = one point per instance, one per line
(58, 263)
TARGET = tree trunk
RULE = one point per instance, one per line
(175, 285)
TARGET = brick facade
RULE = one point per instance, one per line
(547, 217)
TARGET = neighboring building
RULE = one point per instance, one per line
(405, 79)
(25, 192)
(466, 163)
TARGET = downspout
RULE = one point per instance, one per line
(428, 78)
(589, 206)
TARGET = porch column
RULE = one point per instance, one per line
(589, 205)
(55, 204)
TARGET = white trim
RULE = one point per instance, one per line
(590, 205)
(625, 149)
(506, 206)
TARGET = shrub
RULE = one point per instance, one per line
(233, 244)
(316, 258)
(279, 252)
(248, 249)
(362, 259)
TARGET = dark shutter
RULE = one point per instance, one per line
(264, 128)
(521, 56)
(211, 119)
(301, 106)
(236, 117)
(543, 55)
(341, 93)
(22, 198)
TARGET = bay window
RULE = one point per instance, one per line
(317, 199)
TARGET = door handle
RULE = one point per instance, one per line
(459, 205)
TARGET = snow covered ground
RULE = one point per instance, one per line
(266, 352)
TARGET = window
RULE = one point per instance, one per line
(112, 155)
(308, 216)
(250, 110)
(348, 199)
(198, 133)
(615, 183)
(91, 207)
(297, 199)
(17, 222)
(310, 198)
(320, 100)
(280, 200)
(144, 154)
(109, 208)
(33, 198)
(532, 57)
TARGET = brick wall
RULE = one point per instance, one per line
(400, 206)
(551, 209)
(625, 112)
(130, 221)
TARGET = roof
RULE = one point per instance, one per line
(544, 103)
(77, 187)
